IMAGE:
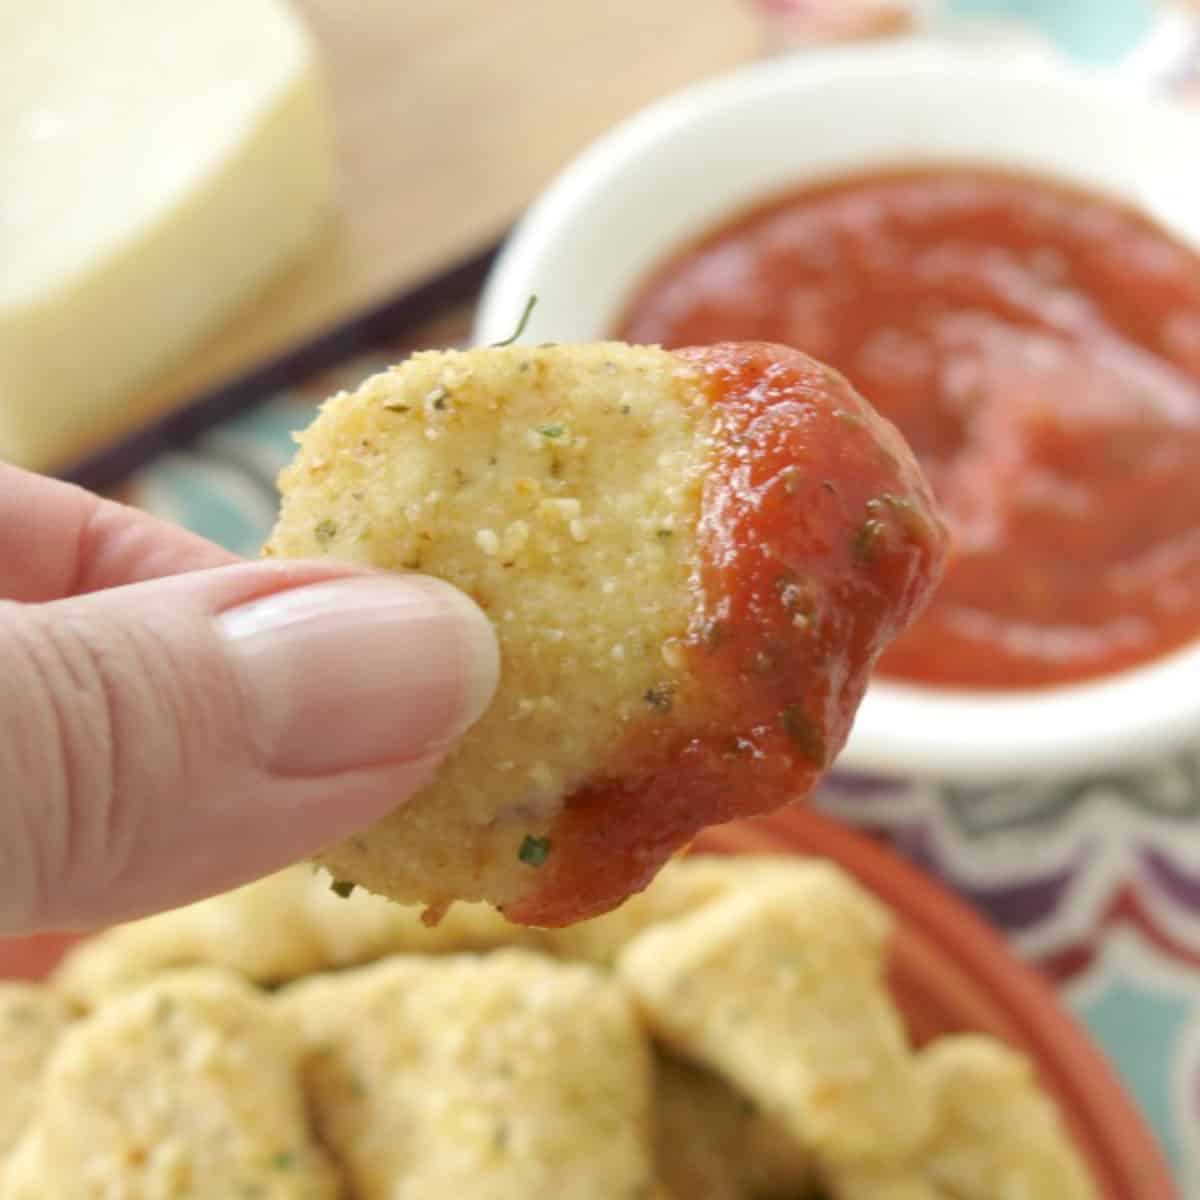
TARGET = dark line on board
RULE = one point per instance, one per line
(178, 429)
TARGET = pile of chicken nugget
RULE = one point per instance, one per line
(726, 1035)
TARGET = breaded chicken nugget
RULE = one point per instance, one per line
(692, 560)
(682, 886)
(277, 929)
(491, 1077)
(260, 931)
(363, 927)
(187, 1087)
(780, 989)
(32, 1019)
(996, 1135)
(712, 1143)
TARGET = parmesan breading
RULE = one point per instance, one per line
(363, 927)
(779, 987)
(32, 1019)
(259, 931)
(682, 886)
(995, 1136)
(187, 1087)
(494, 1077)
(731, 1037)
(560, 487)
(279, 928)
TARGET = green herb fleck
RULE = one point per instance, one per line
(398, 408)
(520, 329)
(626, 409)
(534, 850)
(552, 431)
(438, 397)
(284, 1160)
(805, 734)
(342, 887)
(867, 538)
(325, 531)
(660, 697)
(664, 535)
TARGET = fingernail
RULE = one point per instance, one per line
(359, 672)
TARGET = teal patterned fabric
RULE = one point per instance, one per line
(1096, 880)
(1097, 32)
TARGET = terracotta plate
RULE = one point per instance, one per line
(950, 972)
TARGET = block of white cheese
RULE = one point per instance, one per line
(160, 160)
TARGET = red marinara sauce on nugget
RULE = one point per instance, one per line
(692, 560)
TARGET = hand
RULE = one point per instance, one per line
(174, 721)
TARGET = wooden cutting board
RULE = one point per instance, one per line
(449, 117)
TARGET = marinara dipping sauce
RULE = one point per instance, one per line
(1039, 347)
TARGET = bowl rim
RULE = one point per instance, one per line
(1110, 1131)
(973, 736)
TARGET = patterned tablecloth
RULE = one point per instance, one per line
(1097, 881)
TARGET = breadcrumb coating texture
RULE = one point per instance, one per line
(293, 924)
(274, 930)
(995, 1135)
(745, 1047)
(559, 487)
(33, 1018)
(502, 1076)
(187, 1087)
(808, 1030)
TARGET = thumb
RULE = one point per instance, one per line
(166, 740)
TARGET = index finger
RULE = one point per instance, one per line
(57, 540)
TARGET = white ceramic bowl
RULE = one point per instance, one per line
(681, 166)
